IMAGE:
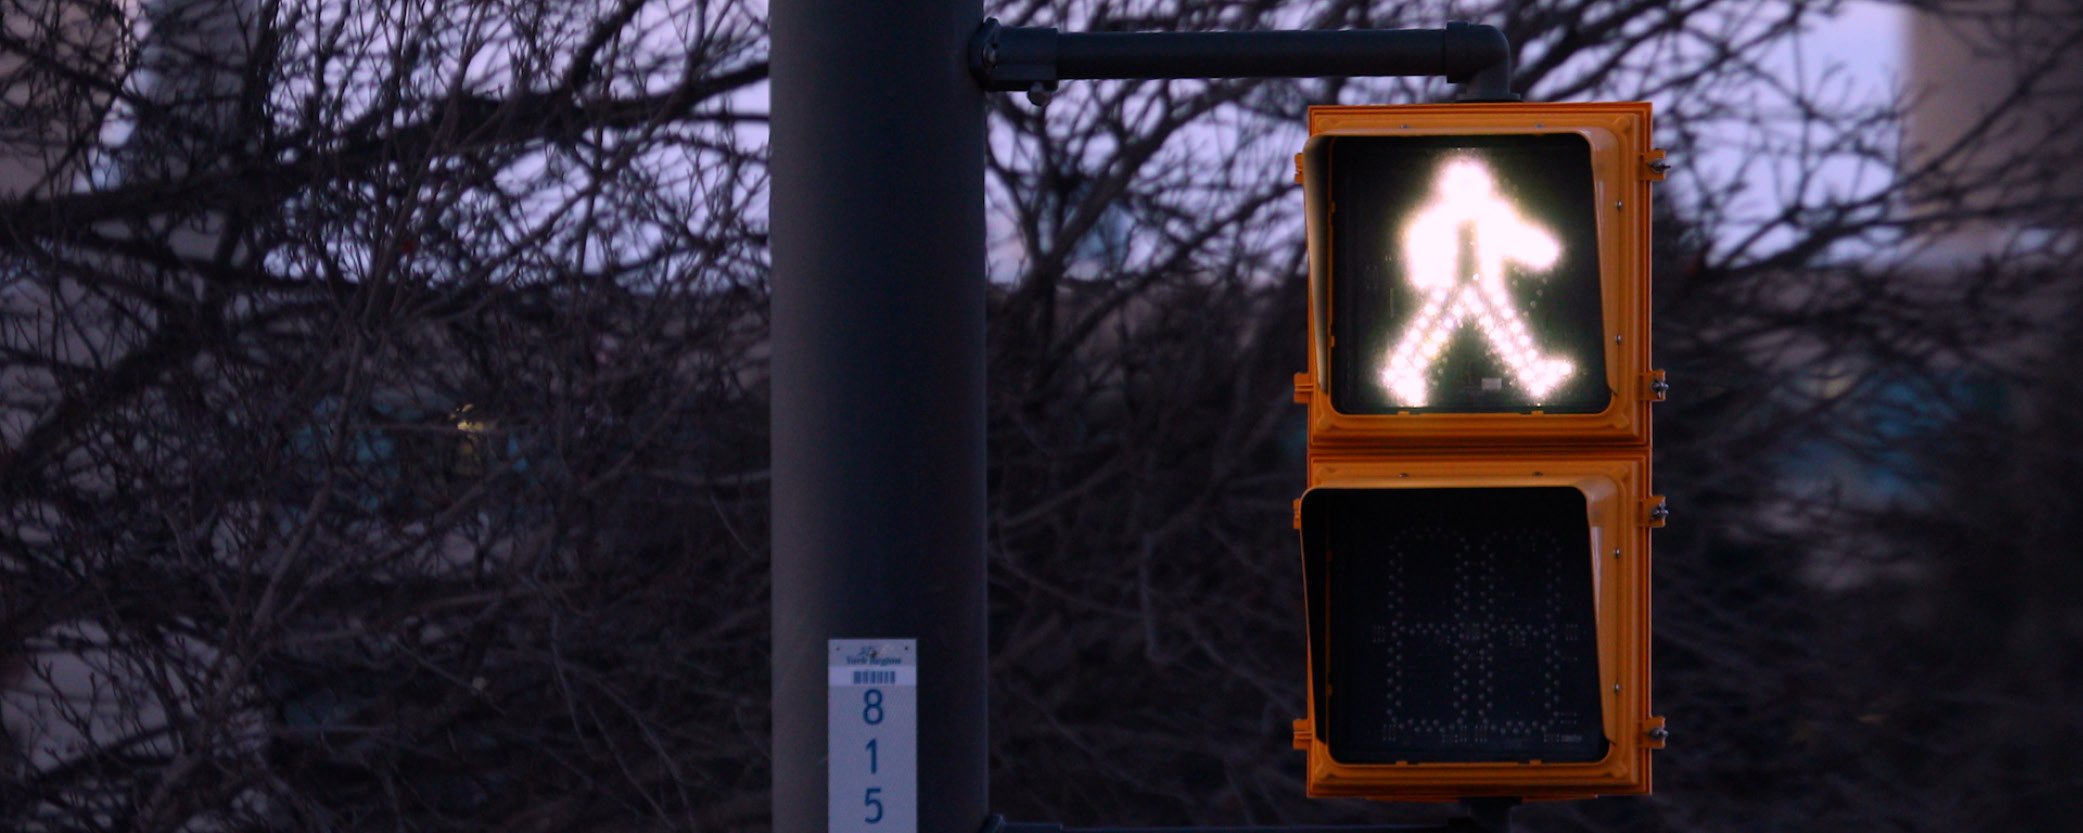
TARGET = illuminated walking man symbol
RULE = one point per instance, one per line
(1456, 248)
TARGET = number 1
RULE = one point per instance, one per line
(871, 757)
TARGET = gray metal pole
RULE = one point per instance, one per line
(878, 385)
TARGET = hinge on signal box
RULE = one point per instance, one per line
(1304, 387)
(1655, 387)
(1654, 512)
(1654, 734)
(1654, 165)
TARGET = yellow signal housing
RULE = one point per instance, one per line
(1475, 532)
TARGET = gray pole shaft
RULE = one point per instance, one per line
(878, 383)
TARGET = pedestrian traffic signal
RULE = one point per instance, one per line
(1475, 533)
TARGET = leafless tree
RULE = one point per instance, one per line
(383, 436)
(382, 432)
(1837, 283)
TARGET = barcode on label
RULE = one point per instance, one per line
(874, 677)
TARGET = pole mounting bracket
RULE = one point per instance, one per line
(1035, 59)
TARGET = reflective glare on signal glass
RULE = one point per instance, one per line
(1465, 275)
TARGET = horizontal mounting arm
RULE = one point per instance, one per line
(1014, 58)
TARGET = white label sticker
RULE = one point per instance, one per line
(873, 731)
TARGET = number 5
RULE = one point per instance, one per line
(874, 804)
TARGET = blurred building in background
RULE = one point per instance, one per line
(50, 102)
(1993, 85)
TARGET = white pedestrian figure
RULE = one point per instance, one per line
(1456, 248)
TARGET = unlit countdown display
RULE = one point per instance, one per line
(1456, 247)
